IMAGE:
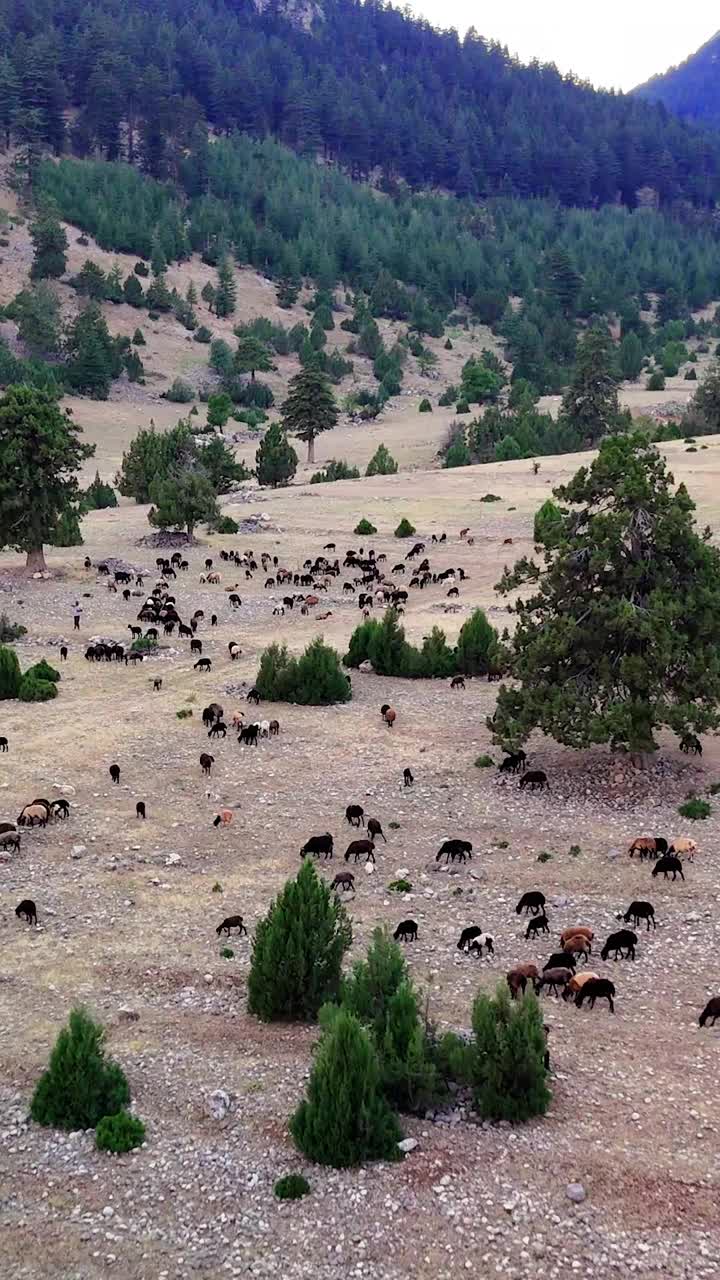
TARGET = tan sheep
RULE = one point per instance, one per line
(579, 930)
(684, 847)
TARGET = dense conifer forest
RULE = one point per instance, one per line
(365, 85)
(692, 89)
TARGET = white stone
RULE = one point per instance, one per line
(575, 1191)
(408, 1144)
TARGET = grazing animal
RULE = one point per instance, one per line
(452, 849)
(467, 936)
(578, 946)
(27, 909)
(206, 763)
(648, 847)
(231, 922)
(196, 646)
(577, 982)
(518, 978)
(555, 979)
(219, 727)
(560, 960)
(374, 828)
(578, 930)
(34, 813)
(668, 864)
(140, 809)
(10, 840)
(389, 716)
(532, 901)
(203, 664)
(357, 848)
(355, 815)
(535, 779)
(223, 818)
(596, 989)
(249, 735)
(344, 880)
(275, 730)
(63, 652)
(538, 924)
(235, 651)
(457, 682)
(477, 944)
(157, 684)
(253, 696)
(407, 931)
(638, 911)
(114, 772)
(690, 744)
(684, 847)
(237, 719)
(59, 809)
(407, 778)
(624, 940)
(711, 1010)
(317, 845)
(513, 763)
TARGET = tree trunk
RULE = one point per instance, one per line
(641, 744)
(311, 449)
(35, 562)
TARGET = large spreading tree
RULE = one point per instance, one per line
(40, 455)
(618, 631)
(310, 407)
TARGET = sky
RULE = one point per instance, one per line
(615, 44)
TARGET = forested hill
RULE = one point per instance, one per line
(692, 89)
(366, 85)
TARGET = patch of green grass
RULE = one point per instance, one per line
(183, 714)
(574, 850)
(400, 886)
(484, 762)
(227, 953)
(695, 810)
(292, 1187)
(394, 826)
(217, 887)
(491, 497)
(544, 856)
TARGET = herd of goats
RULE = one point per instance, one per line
(559, 976)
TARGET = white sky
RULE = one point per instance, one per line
(614, 44)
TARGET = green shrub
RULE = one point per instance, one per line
(32, 690)
(692, 449)
(400, 886)
(484, 762)
(382, 463)
(180, 392)
(144, 644)
(364, 528)
(292, 1187)
(99, 496)
(405, 529)
(462, 406)
(549, 524)
(80, 1085)
(695, 810)
(448, 397)
(491, 497)
(656, 381)
(217, 887)
(574, 851)
(691, 376)
(226, 524)
(425, 406)
(119, 1133)
(298, 950)
(544, 856)
(10, 631)
(202, 334)
(314, 679)
(139, 338)
(335, 471)
(476, 649)
(394, 826)
(227, 953)
(10, 674)
(509, 1057)
(345, 1118)
(140, 269)
(184, 713)
(43, 671)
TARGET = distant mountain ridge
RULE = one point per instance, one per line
(692, 89)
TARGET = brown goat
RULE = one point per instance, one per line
(577, 982)
(578, 945)
(518, 978)
(576, 931)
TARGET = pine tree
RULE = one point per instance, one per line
(549, 524)
(287, 290)
(382, 463)
(158, 296)
(298, 950)
(509, 1057)
(50, 245)
(208, 294)
(9, 99)
(133, 291)
(42, 451)
(36, 312)
(620, 634)
(275, 460)
(252, 356)
(225, 292)
(564, 282)
(590, 405)
(220, 465)
(476, 645)
(631, 356)
(10, 674)
(703, 411)
(183, 499)
(80, 1085)
(310, 407)
(191, 295)
(93, 358)
(158, 261)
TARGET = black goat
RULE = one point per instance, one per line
(538, 924)
(624, 940)
(638, 911)
(407, 931)
(317, 845)
(532, 901)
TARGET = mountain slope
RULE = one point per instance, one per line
(692, 89)
(362, 84)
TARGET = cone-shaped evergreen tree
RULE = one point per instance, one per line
(252, 356)
(310, 407)
(382, 463)
(590, 405)
(50, 244)
(225, 291)
(345, 1118)
(80, 1085)
(10, 674)
(298, 950)
(509, 1057)
(476, 645)
(275, 459)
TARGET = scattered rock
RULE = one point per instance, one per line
(408, 1144)
(575, 1191)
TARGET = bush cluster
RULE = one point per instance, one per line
(383, 644)
(314, 679)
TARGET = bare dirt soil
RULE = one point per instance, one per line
(128, 911)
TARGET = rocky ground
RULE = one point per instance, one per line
(621, 1177)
